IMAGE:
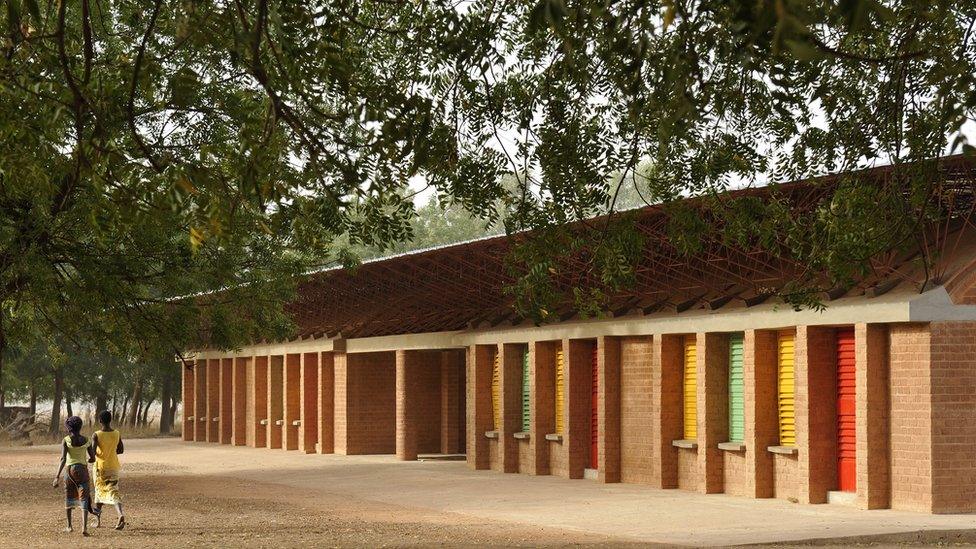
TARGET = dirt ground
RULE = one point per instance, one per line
(180, 495)
(170, 509)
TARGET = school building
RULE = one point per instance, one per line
(695, 379)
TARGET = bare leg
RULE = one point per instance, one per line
(118, 509)
(84, 529)
(67, 513)
(98, 517)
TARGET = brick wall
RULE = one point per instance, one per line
(276, 370)
(713, 409)
(291, 400)
(666, 404)
(226, 413)
(239, 401)
(478, 405)
(786, 477)
(257, 387)
(368, 407)
(308, 432)
(953, 417)
(189, 402)
(428, 388)
(636, 450)
(200, 400)
(816, 411)
(452, 402)
(326, 403)
(213, 400)
(911, 412)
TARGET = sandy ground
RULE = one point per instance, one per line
(205, 495)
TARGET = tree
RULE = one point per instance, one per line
(154, 150)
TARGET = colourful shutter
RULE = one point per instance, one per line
(846, 412)
(737, 401)
(526, 397)
(560, 391)
(496, 397)
(595, 413)
(786, 389)
(691, 389)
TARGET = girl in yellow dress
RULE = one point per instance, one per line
(108, 446)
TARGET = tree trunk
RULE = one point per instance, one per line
(33, 399)
(165, 417)
(56, 405)
(67, 401)
(133, 416)
(145, 411)
(101, 403)
(124, 409)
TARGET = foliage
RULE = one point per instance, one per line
(158, 149)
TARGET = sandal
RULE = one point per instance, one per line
(121, 523)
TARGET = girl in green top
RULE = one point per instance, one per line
(76, 453)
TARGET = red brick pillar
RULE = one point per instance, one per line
(542, 361)
(326, 403)
(189, 401)
(873, 434)
(579, 381)
(478, 378)
(341, 381)
(761, 416)
(452, 363)
(226, 414)
(213, 400)
(257, 406)
(238, 436)
(816, 412)
(666, 405)
(308, 415)
(713, 409)
(200, 415)
(292, 387)
(608, 363)
(276, 369)
(511, 398)
(406, 405)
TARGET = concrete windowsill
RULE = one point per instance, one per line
(491, 434)
(732, 446)
(190, 418)
(687, 444)
(203, 419)
(279, 422)
(263, 422)
(216, 419)
(555, 437)
(783, 450)
(297, 423)
(521, 436)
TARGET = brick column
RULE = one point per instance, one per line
(511, 397)
(873, 433)
(189, 402)
(226, 414)
(542, 361)
(276, 367)
(291, 400)
(451, 369)
(667, 358)
(309, 407)
(213, 400)
(816, 412)
(759, 371)
(239, 401)
(478, 389)
(608, 363)
(201, 418)
(578, 355)
(406, 405)
(257, 406)
(713, 409)
(326, 403)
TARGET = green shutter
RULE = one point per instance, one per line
(737, 401)
(526, 401)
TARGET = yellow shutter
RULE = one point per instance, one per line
(560, 391)
(496, 398)
(786, 389)
(691, 389)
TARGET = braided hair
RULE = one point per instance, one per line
(73, 424)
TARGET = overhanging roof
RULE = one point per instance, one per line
(463, 286)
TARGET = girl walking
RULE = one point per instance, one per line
(108, 446)
(76, 453)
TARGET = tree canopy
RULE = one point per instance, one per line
(159, 149)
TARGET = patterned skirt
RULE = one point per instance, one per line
(107, 486)
(77, 487)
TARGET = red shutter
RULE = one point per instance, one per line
(846, 405)
(594, 415)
